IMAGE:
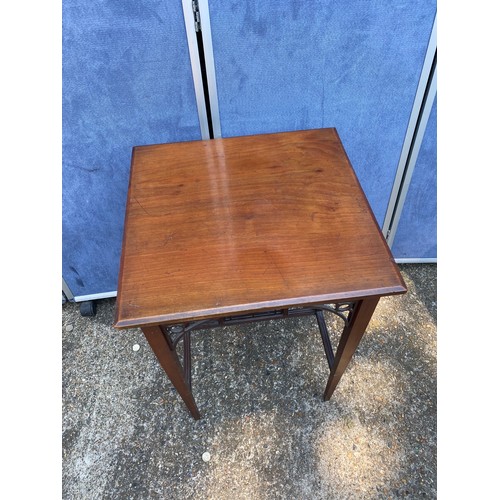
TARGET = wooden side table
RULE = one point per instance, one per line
(246, 229)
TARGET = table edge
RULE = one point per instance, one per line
(182, 317)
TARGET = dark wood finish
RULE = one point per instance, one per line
(349, 340)
(219, 227)
(170, 363)
(325, 338)
(227, 229)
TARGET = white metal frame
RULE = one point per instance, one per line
(96, 296)
(187, 7)
(206, 33)
(423, 260)
(422, 105)
(82, 298)
(412, 161)
(66, 290)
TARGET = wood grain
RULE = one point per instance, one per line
(247, 224)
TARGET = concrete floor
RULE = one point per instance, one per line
(127, 434)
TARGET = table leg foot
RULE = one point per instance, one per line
(353, 332)
(167, 356)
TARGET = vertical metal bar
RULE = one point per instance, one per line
(325, 338)
(187, 357)
(67, 291)
(410, 134)
(210, 66)
(419, 136)
(196, 67)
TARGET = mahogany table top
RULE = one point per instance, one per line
(246, 224)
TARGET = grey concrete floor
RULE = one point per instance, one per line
(127, 434)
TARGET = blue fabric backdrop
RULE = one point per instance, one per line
(353, 65)
(126, 81)
(416, 235)
(349, 64)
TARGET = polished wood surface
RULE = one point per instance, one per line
(247, 224)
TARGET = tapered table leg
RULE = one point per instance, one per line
(349, 340)
(165, 352)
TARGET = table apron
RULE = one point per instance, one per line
(175, 333)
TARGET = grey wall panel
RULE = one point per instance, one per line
(349, 64)
(416, 235)
(127, 81)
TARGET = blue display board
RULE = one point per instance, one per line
(349, 64)
(126, 81)
(416, 234)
